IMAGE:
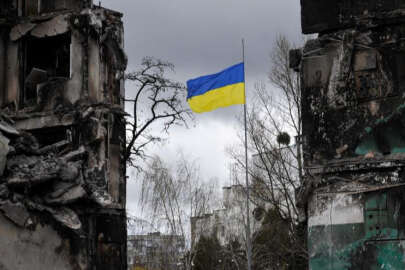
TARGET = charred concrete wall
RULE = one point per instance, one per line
(353, 90)
(319, 16)
(62, 136)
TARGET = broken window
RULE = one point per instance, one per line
(31, 7)
(3, 7)
(9, 7)
(117, 134)
(48, 5)
(334, 14)
(57, 5)
(45, 58)
(112, 89)
(51, 136)
(37, 7)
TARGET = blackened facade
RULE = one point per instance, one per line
(62, 136)
(353, 87)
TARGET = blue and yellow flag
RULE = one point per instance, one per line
(222, 89)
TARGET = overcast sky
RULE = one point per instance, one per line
(202, 37)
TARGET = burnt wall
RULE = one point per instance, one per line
(328, 16)
(353, 102)
(62, 137)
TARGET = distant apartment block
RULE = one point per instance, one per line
(155, 251)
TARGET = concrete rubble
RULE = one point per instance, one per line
(48, 177)
(62, 136)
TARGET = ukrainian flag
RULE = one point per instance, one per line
(222, 89)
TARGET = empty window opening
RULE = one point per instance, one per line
(118, 131)
(8, 7)
(47, 6)
(31, 7)
(3, 8)
(46, 58)
(37, 7)
(49, 136)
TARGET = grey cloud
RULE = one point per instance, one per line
(203, 37)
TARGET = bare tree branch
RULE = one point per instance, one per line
(275, 169)
(174, 195)
(164, 101)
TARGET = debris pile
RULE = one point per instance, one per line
(50, 179)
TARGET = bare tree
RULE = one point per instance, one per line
(156, 99)
(138, 225)
(172, 196)
(276, 166)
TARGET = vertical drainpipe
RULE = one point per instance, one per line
(85, 65)
(85, 60)
(22, 57)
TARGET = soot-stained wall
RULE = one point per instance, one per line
(62, 136)
(353, 119)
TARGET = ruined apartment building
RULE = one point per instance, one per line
(353, 111)
(62, 136)
(227, 224)
(155, 251)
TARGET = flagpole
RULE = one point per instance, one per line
(248, 240)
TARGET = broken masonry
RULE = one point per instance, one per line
(353, 118)
(62, 136)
